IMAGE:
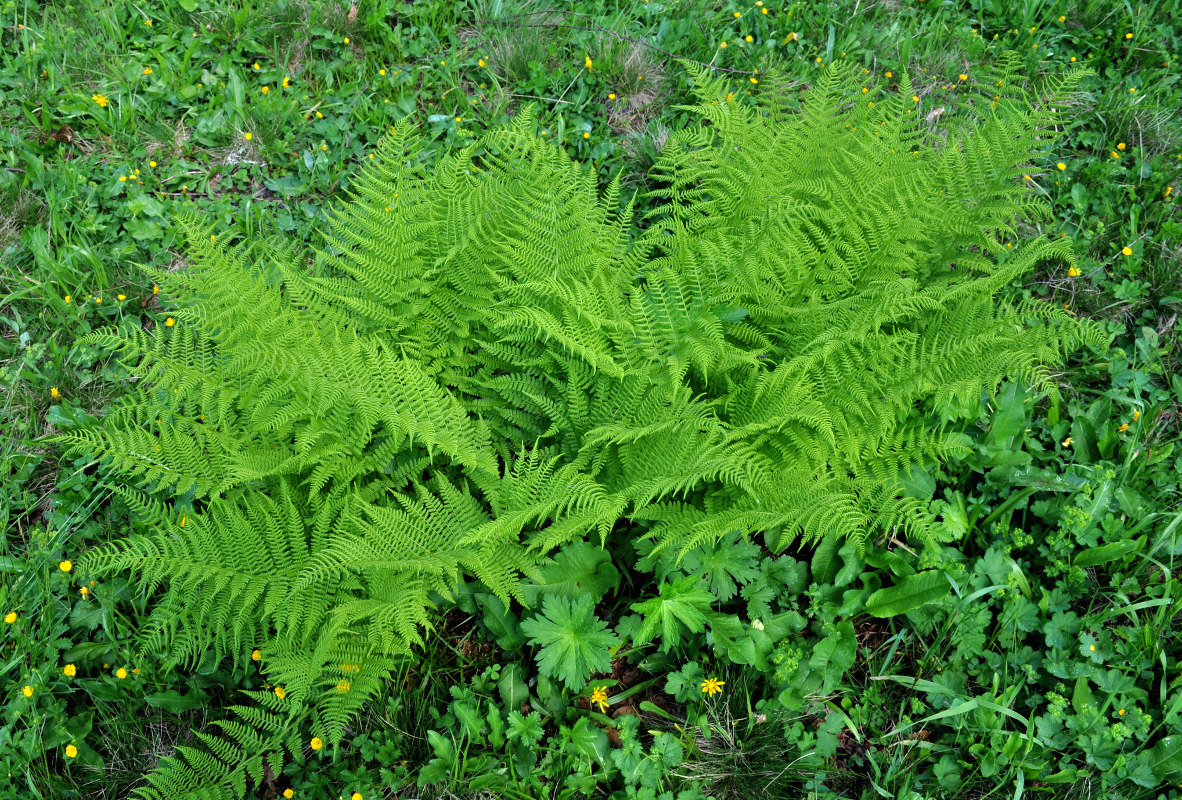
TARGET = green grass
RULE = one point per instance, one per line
(188, 121)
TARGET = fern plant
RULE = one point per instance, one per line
(482, 364)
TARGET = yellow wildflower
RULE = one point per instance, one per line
(964, 77)
(65, 566)
(280, 692)
(1136, 416)
(356, 796)
(712, 686)
(266, 89)
(10, 617)
(1120, 146)
(69, 670)
(121, 673)
(1123, 427)
(1128, 36)
(1128, 251)
(1061, 166)
(737, 15)
(256, 655)
(722, 43)
(256, 66)
(611, 96)
(84, 591)
(147, 71)
(1073, 272)
(55, 393)
(480, 63)
(586, 135)
(587, 64)
(1062, 19)
(289, 793)
(168, 323)
(287, 81)
(28, 691)
(599, 698)
(248, 135)
(346, 40)
(68, 299)
(749, 39)
(1067, 443)
(100, 99)
(71, 751)
(316, 743)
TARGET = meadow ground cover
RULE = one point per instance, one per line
(1044, 664)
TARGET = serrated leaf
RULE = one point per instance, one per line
(573, 641)
(681, 605)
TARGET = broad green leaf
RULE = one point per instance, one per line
(579, 569)
(1105, 553)
(680, 606)
(1164, 759)
(573, 641)
(909, 593)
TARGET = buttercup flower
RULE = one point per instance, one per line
(248, 135)
(280, 692)
(356, 796)
(1123, 427)
(10, 617)
(54, 393)
(599, 698)
(287, 81)
(100, 99)
(1120, 146)
(1128, 251)
(1073, 272)
(316, 743)
(27, 691)
(71, 751)
(1061, 166)
(712, 686)
(120, 297)
(587, 63)
(169, 322)
(70, 670)
(121, 673)
(256, 655)
(289, 793)
(65, 566)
